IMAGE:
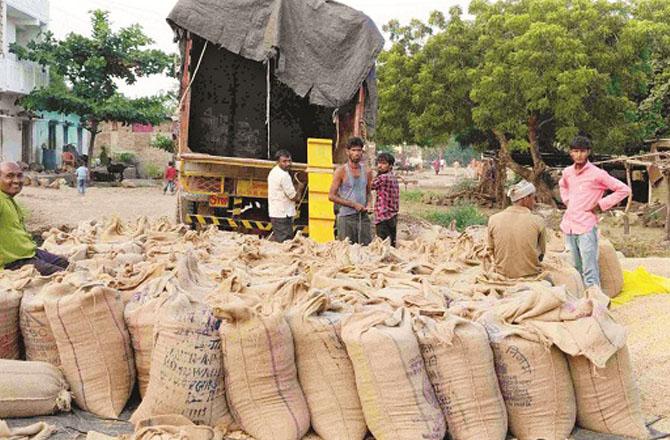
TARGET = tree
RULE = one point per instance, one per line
(396, 69)
(89, 69)
(564, 62)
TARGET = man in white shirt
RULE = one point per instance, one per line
(282, 197)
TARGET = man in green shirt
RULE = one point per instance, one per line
(17, 247)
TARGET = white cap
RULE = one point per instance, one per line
(521, 190)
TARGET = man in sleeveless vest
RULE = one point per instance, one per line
(351, 190)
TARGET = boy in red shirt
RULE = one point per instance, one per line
(387, 202)
(170, 178)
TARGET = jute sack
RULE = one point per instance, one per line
(174, 427)
(94, 348)
(140, 317)
(608, 400)
(611, 273)
(29, 389)
(38, 338)
(10, 301)
(325, 371)
(561, 273)
(186, 376)
(264, 394)
(536, 386)
(397, 398)
(459, 362)
(36, 431)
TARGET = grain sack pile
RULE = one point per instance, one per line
(234, 332)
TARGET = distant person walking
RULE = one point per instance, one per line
(83, 176)
(282, 197)
(352, 184)
(170, 177)
(436, 166)
(387, 202)
(582, 187)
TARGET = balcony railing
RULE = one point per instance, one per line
(21, 76)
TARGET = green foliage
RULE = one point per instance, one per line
(464, 185)
(463, 215)
(125, 157)
(153, 171)
(90, 69)
(412, 195)
(521, 66)
(164, 143)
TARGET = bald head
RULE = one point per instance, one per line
(11, 178)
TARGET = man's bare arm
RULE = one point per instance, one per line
(334, 188)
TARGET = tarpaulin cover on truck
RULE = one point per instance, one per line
(325, 49)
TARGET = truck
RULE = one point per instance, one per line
(260, 76)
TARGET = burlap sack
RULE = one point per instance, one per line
(397, 398)
(186, 376)
(561, 273)
(94, 348)
(608, 400)
(263, 391)
(611, 273)
(459, 362)
(10, 301)
(140, 316)
(29, 389)
(174, 427)
(536, 386)
(325, 371)
(36, 431)
(38, 338)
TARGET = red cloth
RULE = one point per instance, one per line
(170, 174)
(388, 196)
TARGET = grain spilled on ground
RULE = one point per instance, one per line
(648, 324)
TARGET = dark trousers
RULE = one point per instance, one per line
(388, 229)
(45, 262)
(282, 228)
(355, 227)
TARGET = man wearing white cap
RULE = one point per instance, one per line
(516, 237)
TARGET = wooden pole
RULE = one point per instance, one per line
(667, 206)
(185, 110)
(629, 202)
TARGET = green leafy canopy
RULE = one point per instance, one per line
(86, 71)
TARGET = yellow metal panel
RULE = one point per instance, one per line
(319, 153)
(321, 231)
(319, 171)
(252, 188)
(319, 182)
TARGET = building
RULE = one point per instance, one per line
(23, 136)
(136, 140)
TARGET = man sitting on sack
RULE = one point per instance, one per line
(17, 247)
(516, 237)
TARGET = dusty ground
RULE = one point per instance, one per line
(50, 207)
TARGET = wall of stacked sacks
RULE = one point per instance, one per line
(334, 341)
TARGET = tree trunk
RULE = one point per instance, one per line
(91, 146)
(544, 193)
(501, 176)
(534, 175)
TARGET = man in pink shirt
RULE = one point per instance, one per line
(582, 188)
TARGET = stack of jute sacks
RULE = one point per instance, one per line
(237, 333)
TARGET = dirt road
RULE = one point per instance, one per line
(50, 207)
